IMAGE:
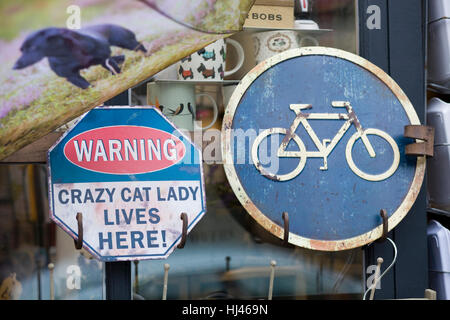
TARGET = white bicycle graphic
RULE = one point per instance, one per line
(326, 146)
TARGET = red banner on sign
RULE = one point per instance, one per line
(124, 150)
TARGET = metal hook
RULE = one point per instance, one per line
(285, 216)
(184, 232)
(79, 241)
(384, 216)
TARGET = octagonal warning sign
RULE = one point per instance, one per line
(131, 174)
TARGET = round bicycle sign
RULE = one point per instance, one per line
(318, 133)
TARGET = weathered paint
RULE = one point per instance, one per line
(425, 133)
(390, 94)
(135, 195)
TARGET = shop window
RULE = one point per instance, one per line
(31, 243)
(227, 255)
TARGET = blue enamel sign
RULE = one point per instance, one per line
(318, 133)
(130, 174)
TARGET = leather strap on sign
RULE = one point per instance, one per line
(425, 133)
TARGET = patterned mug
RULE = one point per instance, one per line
(209, 63)
(177, 101)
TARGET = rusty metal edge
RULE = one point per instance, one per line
(263, 220)
(74, 235)
(420, 132)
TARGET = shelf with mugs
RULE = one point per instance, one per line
(200, 83)
(196, 87)
(209, 64)
(309, 27)
(213, 88)
(268, 41)
(185, 102)
(314, 23)
(298, 23)
(206, 90)
(265, 40)
(300, 28)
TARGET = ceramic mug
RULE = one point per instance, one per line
(177, 102)
(209, 62)
(269, 43)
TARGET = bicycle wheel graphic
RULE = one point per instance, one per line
(300, 154)
(364, 175)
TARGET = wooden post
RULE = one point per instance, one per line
(166, 278)
(118, 274)
(118, 280)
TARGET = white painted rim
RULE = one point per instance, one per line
(254, 211)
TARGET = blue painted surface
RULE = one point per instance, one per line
(66, 172)
(335, 204)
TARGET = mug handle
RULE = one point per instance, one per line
(240, 52)
(312, 39)
(216, 111)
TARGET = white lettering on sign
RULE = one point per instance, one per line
(119, 217)
(84, 150)
(125, 150)
(114, 148)
(374, 20)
